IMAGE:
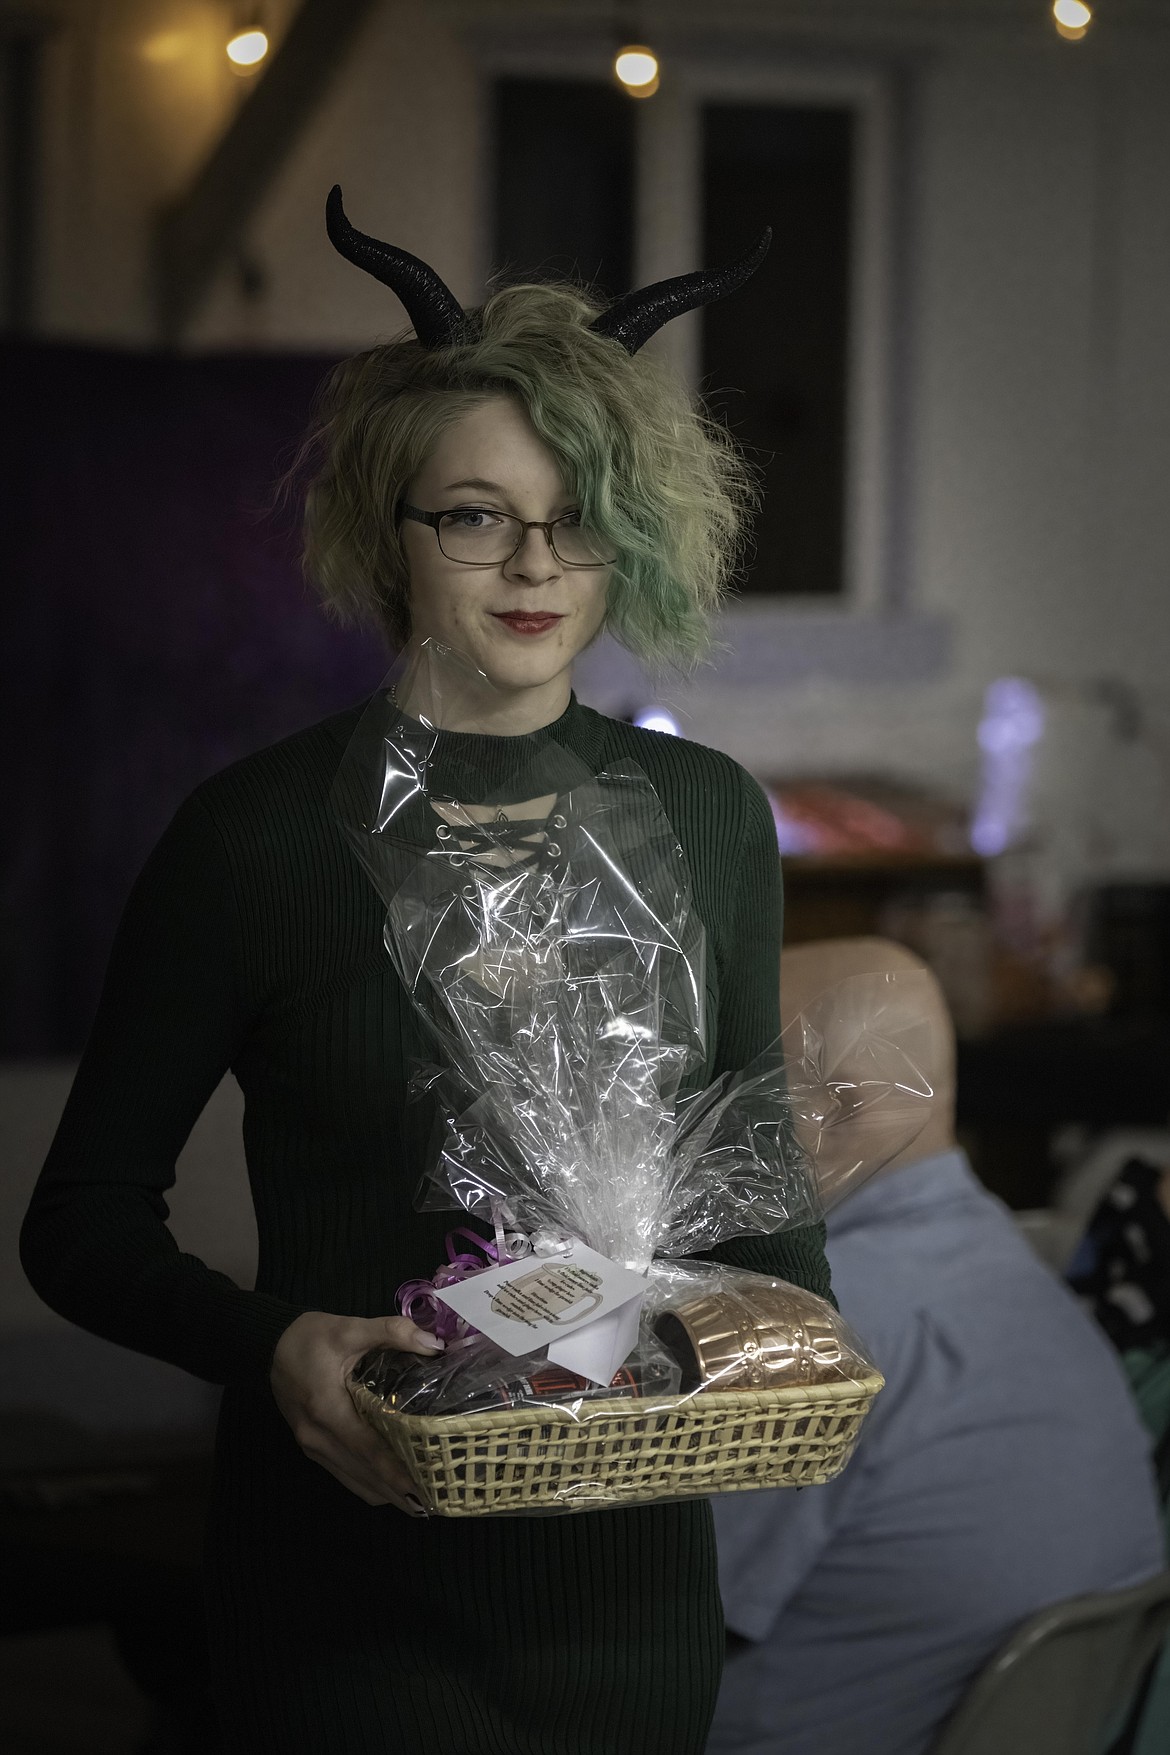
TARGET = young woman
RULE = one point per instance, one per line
(510, 480)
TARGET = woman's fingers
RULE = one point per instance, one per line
(375, 1494)
(408, 1504)
(406, 1337)
(309, 1377)
(345, 1443)
(376, 1483)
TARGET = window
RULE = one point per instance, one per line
(564, 196)
(774, 356)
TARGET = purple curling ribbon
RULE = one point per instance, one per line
(418, 1299)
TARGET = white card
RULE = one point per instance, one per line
(544, 1299)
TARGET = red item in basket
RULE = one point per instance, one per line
(552, 1385)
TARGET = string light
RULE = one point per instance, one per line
(247, 48)
(1072, 18)
(636, 67)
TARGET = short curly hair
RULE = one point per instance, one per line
(661, 482)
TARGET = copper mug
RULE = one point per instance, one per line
(762, 1338)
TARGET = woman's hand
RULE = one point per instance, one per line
(314, 1357)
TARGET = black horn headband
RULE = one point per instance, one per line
(633, 319)
(431, 306)
(440, 320)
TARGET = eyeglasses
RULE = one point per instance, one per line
(477, 537)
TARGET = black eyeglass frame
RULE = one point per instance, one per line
(434, 519)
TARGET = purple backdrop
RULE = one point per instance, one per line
(155, 628)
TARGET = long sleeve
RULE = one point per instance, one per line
(95, 1244)
(749, 1020)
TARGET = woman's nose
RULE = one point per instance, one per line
(535, 560)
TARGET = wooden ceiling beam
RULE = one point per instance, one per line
(194, 234)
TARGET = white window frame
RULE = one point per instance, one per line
(668, 230)
(668, 225)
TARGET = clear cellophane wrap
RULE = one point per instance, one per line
(544, 929)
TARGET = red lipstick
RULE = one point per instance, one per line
(528, 622)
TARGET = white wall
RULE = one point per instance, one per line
(1045, 230)
(1036, 361)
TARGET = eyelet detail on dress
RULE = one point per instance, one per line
(443, 832)
(559, 822)
(458, 859)
(469, 892)
(553, 850)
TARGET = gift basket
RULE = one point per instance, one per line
(541, 919)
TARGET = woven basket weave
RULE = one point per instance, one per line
(718, 1441)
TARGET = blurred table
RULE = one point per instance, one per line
(1099, 1072)
(1018, 1085)
(114, 1546)
(848, 895)
(132, 1512)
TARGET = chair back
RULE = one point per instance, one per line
(1060, 1679)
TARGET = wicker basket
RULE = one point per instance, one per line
(515, 1460)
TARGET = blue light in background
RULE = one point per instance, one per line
(656, 719)
(792, 836)
(1012, 724)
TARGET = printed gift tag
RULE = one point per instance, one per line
(542, 1299)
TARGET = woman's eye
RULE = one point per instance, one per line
(571, 518)
(474, 518)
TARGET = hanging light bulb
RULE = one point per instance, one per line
(636, 68)
(1072, 18)
(248, 48)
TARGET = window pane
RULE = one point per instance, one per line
(564, 182)
(774, 354)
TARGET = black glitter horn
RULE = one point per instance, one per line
(633, 319)
(440, 320)
(432, 307)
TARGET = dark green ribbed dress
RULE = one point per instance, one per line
(252, 941)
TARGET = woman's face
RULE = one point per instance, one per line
(492, 459)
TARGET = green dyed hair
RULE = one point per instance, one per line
(661, 482)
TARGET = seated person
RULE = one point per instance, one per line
(1002, 1469)
(1122, 1274)
(1122, 1268)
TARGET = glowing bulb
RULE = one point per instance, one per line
(248, 48)
(637, 69)
(1072, 18)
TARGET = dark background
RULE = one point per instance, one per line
(155, 598)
